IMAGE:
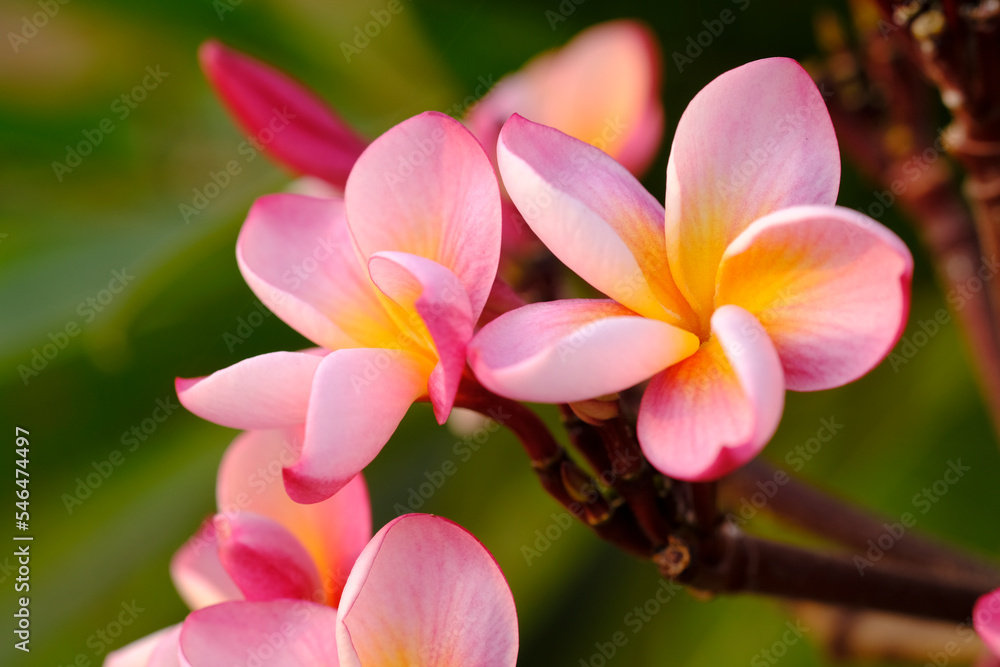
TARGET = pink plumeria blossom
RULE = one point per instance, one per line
(250, 494)
(602, 87)
(304, 585)
(986, 618)
(390, 282)
(748, 283)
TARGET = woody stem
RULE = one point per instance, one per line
(879, 103)
(761, 486)
(634, 479)
(753, 565)
(559, 475)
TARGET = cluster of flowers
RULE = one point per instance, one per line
(748, 281)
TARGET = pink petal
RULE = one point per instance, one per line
(265, 560)
(426, 592)
(267, 391)
(433, 292)
(427, 188)
(603, 87)
(755, 140)
(159, 649)
(289, 633)
(297, 255)
(282, 116)
(986, 618)
(711, 413)
(572, 350)
(593, 215)
(333, 531)
(831, 286)
(198, 573)
(358, 399)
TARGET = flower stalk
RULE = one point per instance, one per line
(753, 565)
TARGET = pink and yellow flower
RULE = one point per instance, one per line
(304, 584)
(602, 87)
(749, 282)
(390, 282)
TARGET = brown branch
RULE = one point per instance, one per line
(753, 565)
(881, 107)
(634, 479)
(806, 507)
(612, 521)
(959, 52)
(585, 439)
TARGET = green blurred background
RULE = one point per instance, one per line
(61, 241)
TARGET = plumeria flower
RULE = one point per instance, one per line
(602, 87)
(986, 618)
(264, 581)
(389, 281)
(211, 567)
(249, 490)
(750, 282)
